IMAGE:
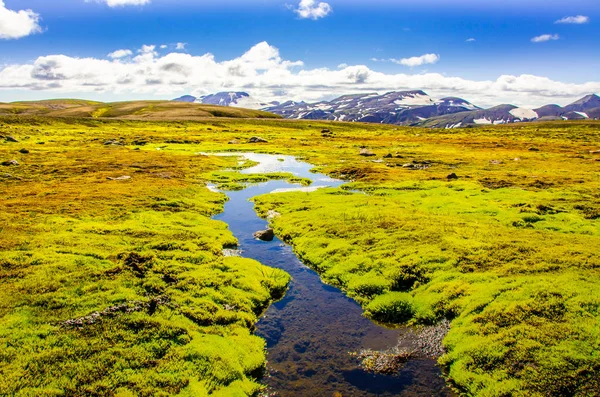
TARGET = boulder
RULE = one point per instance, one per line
(533, 149)
(9, 163)
(257, 139)
(325, 131)
(452, 177)
(366, 153)
(10, 139)
(265, 235)
(24, 151)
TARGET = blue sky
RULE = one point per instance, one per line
(368, 34)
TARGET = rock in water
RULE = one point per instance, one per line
(265, 235)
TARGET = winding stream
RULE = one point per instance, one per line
(310, 332)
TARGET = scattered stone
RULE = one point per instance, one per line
(452, 176)
(272, 214)
(233, 142)
(113, 311)
(9, 176)
(165, 175)
(10, 139)
(594, 151)
(388, 156)
(533, 149)
(366, 153)
(139, 143)
(325, 131)
(228, 253)
(417, 165)
(265, 235)
(40, 143)
(496, 162)
(420, 343)
(113, 142)
(24, 151)
(384, 362)
(10, 163)
(257, 139)
(120, 178)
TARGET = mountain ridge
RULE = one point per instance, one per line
(413, 108)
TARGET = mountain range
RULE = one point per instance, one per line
(414, 108)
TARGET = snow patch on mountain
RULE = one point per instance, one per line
(524, 114)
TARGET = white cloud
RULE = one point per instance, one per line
(180, 46)
(578, 20)
(122, 3)
(418, 61)
(17, 24)
(120, 54)
(163, 46)
(263, 73)
(545, 37)
(470, 40)
(310, 9)
(342, 66)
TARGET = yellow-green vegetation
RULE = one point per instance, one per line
(119, 287)
(507, 249)
(149, 110)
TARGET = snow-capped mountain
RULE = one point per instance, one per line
(404, 107)
(233, 99)
(585, 108)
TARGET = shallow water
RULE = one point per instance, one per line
(310, 332)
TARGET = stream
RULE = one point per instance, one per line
(311, 331)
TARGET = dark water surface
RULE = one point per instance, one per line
(311, 331)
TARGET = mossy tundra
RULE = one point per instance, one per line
(119, 286)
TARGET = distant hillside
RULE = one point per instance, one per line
(151, 110)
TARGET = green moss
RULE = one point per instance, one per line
(508, 251)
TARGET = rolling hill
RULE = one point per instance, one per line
(150, 110)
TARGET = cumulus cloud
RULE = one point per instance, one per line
(265, 74)
(17, 24)
(310, 9)
(418, 61)
(120, 54)
(122, 3)
(180, 46)
(577, 20)
(545, 37)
